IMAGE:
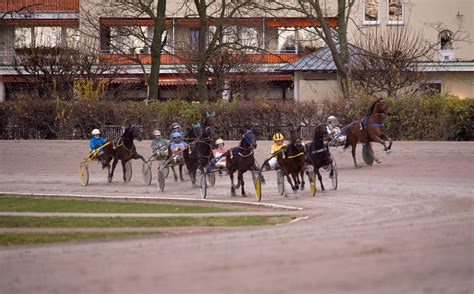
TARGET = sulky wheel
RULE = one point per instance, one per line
(211, 179)
(281, 182)
(367, 154)
(84, 174)
(203, 186)
(128, 171)
(258, 187)
(333, 173)
(161, 179)
(146, 173)
(312, 181)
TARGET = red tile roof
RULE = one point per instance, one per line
(39, 5)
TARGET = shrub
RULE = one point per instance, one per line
(437, 117)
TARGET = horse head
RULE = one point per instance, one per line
(321, 133)
(132, 132)
(249, 139)
(378, 106)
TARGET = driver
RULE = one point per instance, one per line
(278, 139)
(95, 142)
(158, 144)
(177, 144)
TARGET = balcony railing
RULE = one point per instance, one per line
(174, 59)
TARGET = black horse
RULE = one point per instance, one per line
(123, 149)
(199, 151)
(241, 159)
(317, 152)
(292, 161)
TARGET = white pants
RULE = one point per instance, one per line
(273, 162)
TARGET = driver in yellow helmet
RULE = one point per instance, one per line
(278, 139)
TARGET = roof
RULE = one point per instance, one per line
(320, 60)
(29, 6)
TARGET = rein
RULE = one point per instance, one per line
(296, 155)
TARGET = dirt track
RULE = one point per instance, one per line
(404, 226)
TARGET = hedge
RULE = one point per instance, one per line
(438, 117)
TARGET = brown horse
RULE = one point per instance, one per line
(369, 129)
(292, 161)
(317, 152)
(123, 149)
(241, 159)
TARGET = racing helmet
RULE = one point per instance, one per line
(219, 141)
(157, 133)
(95, 132)
(175, 125)
(278, 137)
(332, 120)
(175, 135)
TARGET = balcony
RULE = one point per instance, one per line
(129, 59)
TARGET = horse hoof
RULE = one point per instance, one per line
(378, 161)
(388, 151)
(244, 195)
(175, 179)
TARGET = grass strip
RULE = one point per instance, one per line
(119, 222)
(30, 204)
(14, 239)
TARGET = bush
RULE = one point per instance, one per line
(412, 118)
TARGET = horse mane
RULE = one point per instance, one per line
(372, 106)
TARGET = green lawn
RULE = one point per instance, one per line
(13, 239)
(30, 204)
(138, 222)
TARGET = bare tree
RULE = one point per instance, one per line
(212, 43)
(52, 72)
(123, 36)
(314, 11)
(387, 60)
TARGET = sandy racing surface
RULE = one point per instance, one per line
(403, 226)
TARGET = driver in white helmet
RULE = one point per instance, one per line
(334, 130)
(219, 151)
(95, 142)
(175, 127)
(158, 145)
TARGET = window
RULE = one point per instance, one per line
(23, 37)
(72, 38)
(47, 36)
(445, 39)
(371, 12)
(194, 38)
(395, 11)
(309, 40)
(128, 39)
(432, 87)
(286, 40)
(249, 38)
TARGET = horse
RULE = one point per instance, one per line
(123, 149)
(292, 160)
(199, 151)
(317, 152)
(369, 129)
(241, 159)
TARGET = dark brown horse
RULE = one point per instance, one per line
(317, 152)
(199, 151)
(292, 161)
(369, 129)
(242, 159)
(122, 149)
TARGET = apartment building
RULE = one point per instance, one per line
(446, 25)
(123, 37)
(269, 42)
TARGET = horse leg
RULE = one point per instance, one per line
(181, 172)
(353, 151)
(124, 170)
(389, 147)
(240, 179)
(301, 174)
(288, 177)
(320, 178)
(232, 188)
(174, 173)
(111, 172)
